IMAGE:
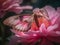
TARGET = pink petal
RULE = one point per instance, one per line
(51, 11)
(52, 28)
(43, 30)
(16, 9)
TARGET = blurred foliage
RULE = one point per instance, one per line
(5, 32)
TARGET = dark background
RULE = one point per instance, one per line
(42, 3)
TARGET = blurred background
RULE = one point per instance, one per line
(5, 32)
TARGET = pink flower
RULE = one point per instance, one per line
(12, 5)
(52, 32)
(46, 34)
